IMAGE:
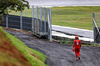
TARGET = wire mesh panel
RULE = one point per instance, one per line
(37, 21)
(40, 21)
(14, 21)
(34, 19)
(4, 23)
(27, 19)
(27, 23)
(96, 21)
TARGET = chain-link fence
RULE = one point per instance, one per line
(96, 23)
(97, 19)
(36, 19)
(18, 22)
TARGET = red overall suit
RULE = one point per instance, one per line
(77, 45)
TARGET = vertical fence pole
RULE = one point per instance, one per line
(33, 19)
(21, 20)
(94, 28)
(37, 19)
(7, 19)
(37, 12)
(41, 19)
(44, 19)
(50, 25)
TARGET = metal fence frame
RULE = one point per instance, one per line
(39, 27)
(96, 31)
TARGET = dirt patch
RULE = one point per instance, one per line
(9, 54)
(59, 54)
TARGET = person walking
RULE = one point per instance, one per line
(76, 47)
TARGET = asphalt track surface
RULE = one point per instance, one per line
(64, 2)
(59, 54)
(73, 31)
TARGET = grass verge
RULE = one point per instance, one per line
(34, 57)
(74, 16)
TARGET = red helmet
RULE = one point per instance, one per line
(76, 37)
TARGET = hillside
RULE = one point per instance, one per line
(14, 53)
(9, 54)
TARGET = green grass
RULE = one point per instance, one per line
(26, 12)
(91, 45)
(34, 57)
(77, 16)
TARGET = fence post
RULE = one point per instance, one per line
(50, 25)
(37, 12)
(7, 19)
(94, 34)
(41, 19)
(21, 19)
(33, 20)
(44, 19)
(36, 19)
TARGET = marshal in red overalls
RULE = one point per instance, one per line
(76, 47)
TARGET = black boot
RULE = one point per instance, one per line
(79, 58)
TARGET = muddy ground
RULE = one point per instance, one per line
(59, 54)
